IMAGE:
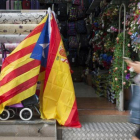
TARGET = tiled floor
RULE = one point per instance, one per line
(83, 90)
(97, 106)
(99, 103)
(90, 104)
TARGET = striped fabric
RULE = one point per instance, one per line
(41, 57)
(20, 71)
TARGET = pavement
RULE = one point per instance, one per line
(35, 129)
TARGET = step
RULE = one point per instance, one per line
(38, 128)
(104, 118)
(27, 138)
(99, 127)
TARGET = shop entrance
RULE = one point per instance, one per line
(89, 102)
(92, 99)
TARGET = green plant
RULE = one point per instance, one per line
(117, 66)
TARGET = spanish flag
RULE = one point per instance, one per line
(41, 57)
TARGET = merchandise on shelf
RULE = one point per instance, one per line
(18, 29)
(12, 38)
(22, 18)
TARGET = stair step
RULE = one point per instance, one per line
(99, 127)
(27, 138)
(104, 118)
(35, 128)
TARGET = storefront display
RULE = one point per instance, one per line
(22, 17)
(16, 29)
(12, 38)
(91, 38)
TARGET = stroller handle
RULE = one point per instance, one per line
(4, 51)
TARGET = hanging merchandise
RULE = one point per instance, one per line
(63, 28)
(134, 27)
(71, 29)
(84, 41)
(73, 57)
(35, 4)
(76, 2)
(81, 11)
(26, 4)
(2, 4)
(17, 5)
(72, 14)
(73, 42)
(62, 11)
(46, 1)
(66, 43)
(10, 4)
(81, 27)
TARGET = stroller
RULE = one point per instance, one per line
(26, 107)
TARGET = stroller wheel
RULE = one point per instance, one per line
(26, 114)
(5, 115)
(12, 113)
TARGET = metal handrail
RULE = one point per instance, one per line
(121, 101)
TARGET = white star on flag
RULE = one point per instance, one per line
(44, 46)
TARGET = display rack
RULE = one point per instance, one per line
(22, 11)
(15, 19)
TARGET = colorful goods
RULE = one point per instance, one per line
(41, 57)
(72, 14)
(73, 42)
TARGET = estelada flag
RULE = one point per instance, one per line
(41, 57)
(20, 70)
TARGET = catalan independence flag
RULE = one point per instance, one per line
(41, 57)
(20, 70)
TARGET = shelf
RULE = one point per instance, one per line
(56, 2)
(23, 11)
(94, 4)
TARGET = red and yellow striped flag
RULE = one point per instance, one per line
(20, 69)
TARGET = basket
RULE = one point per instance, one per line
(31, 101)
